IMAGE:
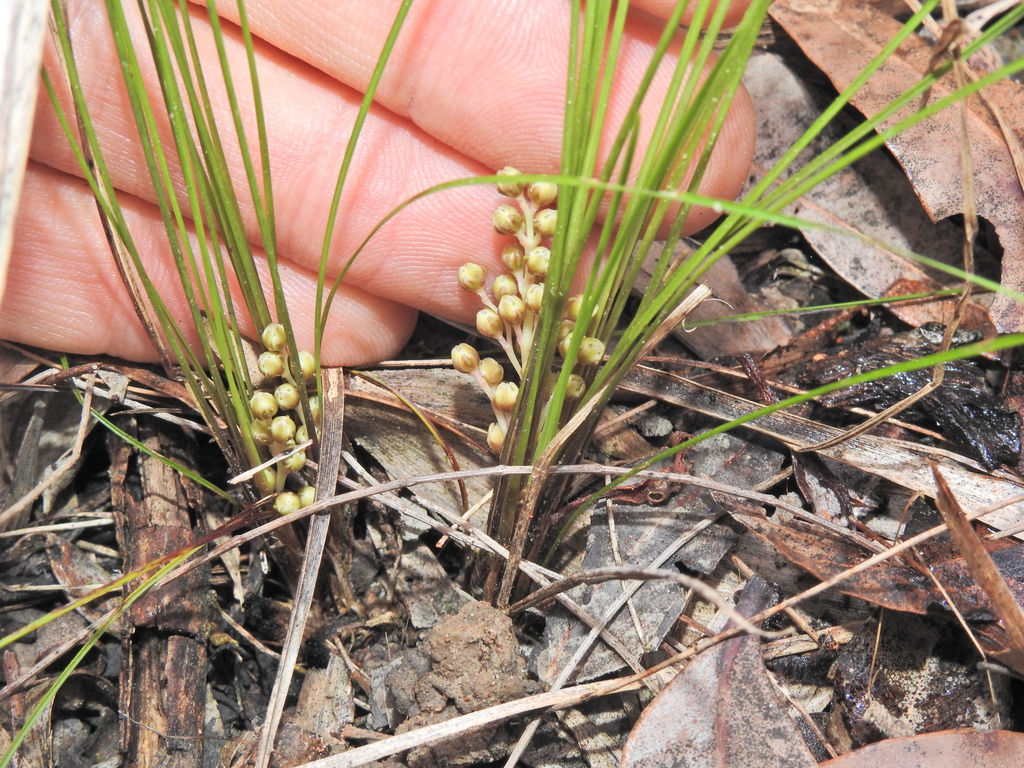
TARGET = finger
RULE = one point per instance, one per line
(64, 290)
(664, 8)
(412, 260)
(489, 80)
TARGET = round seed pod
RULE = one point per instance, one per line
(504, 285)
(287, 396)
(507, 220)
(591, 350)
(535, 296)
(492, 371)
(495, 437)
(282, 429)
(465, 358)
(512, 310)
(576, 386)
(537, 261)
(263, 405)
(509, 188)
(295, 462)
(287, 502)
(472, 277)
(513, 256)
(261, 430)
(545, 222)
(307, 363)
(542, 192)
(563, 344)
(572, 307)
(505, 395)
(274, 337)
(271, 364)
(301, 434)
(565, 328)
(307, 495)
(489, 323)
(314, 408)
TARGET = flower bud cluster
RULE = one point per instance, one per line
(512, 304)
(278, 422)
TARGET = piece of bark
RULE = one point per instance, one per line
(163, 680)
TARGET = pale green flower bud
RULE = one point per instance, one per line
(512, 310)
(510, 188)
(271, 364)
(535, 296)
(287, 396)
(307, 495)
(495, 437)
(576, 386)
(545, 221)
(513, 257)
(301, 434)
(314, 408)
(542, 192)
(565, 328)
(261, 430)
(492, 371)
(489, 323)
(572, 307)
(295, 462)
(537, 261)
(307, 363)
(507, 220)
(563, 344)
(267, 478)
(591, 350)
(263, 405)
(274, 337)
(287, 502)
(504, 285)
(282, 429)
(505, 395)
(465, 358)
(472, 277)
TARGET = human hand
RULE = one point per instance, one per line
(470, 88)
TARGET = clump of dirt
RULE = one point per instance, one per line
(472, 661)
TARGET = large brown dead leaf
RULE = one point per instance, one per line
(721, 711)
(871, 197)
(945, 749)
(841, 38)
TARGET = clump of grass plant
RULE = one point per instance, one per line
(564, 385)
(217, 371)
(568, 347)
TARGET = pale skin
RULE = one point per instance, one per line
(471, 88)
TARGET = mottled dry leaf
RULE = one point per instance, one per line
(841, 39)
(871, 197)
(720, 712)
(945, 749)
(726, 338)
(892, 583)
(643, 533)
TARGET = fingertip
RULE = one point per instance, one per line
(664, 8)
(731, 159)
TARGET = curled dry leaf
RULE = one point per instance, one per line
(871, 197)
(841, 39)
